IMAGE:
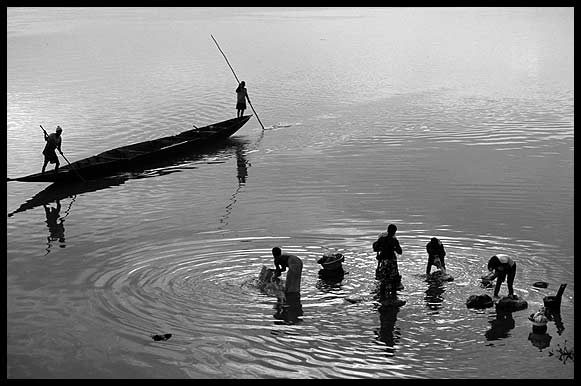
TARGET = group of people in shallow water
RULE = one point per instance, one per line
(387, 247)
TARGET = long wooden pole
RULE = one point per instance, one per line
(222, 52)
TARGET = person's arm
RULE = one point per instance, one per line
(397, 247)
(443, 251)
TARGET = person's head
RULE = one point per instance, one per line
(276, 252)
(59, 130)
(391, 229)
(493, 263)
(434, 240)
(243, 83)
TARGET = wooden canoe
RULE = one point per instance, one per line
(127, 158)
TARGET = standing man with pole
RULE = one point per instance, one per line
(53, 142)
(241, 94)
(224, 55)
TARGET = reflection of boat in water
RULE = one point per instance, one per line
(128, 158)
(60, 191)
(57, 191)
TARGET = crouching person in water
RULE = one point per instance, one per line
(295, 269)
(503, 267)
(436, 253)
(387, 271)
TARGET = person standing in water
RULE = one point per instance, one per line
(295, 269)
(241, 94)
(387, 272)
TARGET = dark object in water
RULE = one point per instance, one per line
(126, 158)
(511, 303)
(554, 302)
(328, 274)
(331, 261)
(439, 276)
(541, 284)
(479, 301)
(161, 337)
(392, 302)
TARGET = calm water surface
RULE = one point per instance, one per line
(456, 123)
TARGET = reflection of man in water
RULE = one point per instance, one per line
(55, 223)
(289, 309)
(242, 165)
(388, 332)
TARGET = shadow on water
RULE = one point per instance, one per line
(330, 281)
(500, 326)
(434, 294)
(60, 191)
(290, 310)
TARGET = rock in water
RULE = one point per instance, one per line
(479, 301)
(392, 303)
(440, 276)
(508, 303)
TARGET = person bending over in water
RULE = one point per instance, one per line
(295, 269)
(436, 253)
(387, 271)
(502, 267)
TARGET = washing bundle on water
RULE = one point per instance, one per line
(268, 283)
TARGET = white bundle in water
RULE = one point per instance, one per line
(269, 284)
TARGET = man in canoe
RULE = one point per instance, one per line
(53, 142)
(241, 94)
(295, 269)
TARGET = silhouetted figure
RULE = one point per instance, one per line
(436, 253)
(502, 267)
(53, 143)
(387, 271)
(295, 270)
(241, 95)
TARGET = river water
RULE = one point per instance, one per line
(456, 123)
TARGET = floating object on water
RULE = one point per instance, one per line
(554, 302)
(539, 318)
(540, 284)
(479, 301)
(332, 261)
(511, 303)
(161, 337)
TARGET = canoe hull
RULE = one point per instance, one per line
(136, 156)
